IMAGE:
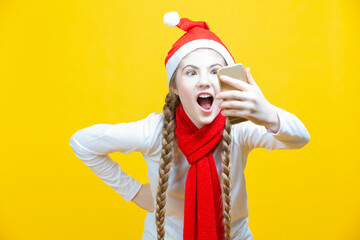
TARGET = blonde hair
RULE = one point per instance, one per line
(168, 143)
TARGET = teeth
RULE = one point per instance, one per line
(204, 95)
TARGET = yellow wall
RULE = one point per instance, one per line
(66, 65)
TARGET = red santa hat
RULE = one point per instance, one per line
(198, 35)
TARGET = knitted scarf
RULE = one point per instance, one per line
(203, 213)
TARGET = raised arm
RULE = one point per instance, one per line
(249, 102)
(291, 135)
(94, 144)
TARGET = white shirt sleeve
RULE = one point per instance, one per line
(291, 135)
(94, 144)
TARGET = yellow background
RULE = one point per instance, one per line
(66, 65)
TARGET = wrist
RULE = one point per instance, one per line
(134, 199)
(274, 121)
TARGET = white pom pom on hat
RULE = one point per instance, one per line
(171, 19)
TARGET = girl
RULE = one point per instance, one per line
(195, 158)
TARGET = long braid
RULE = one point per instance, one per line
(226, 187)
(168, 141)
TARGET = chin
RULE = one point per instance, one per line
(198, 116)
(209, 118)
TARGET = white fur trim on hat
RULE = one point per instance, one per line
(171, 19)
(175, 59)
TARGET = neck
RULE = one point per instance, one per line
(198, 125)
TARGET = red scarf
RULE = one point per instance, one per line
(203, 213)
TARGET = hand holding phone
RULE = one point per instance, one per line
(236, 71)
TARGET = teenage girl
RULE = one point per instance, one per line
(195, 158)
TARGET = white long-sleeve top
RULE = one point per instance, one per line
(94, 144)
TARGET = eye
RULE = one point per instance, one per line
(214, 71)
(190, 73)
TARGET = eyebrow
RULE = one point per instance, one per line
(198, 68)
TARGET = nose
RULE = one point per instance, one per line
(204, 81)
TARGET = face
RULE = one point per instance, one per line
(197, 85)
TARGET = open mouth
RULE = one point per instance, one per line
(205, 101)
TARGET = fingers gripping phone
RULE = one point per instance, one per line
(236, 71)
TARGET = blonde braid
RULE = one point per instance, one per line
(226, 188)
(168, 140)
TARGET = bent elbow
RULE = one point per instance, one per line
(307, 137)
(304, 140)
(79, 151)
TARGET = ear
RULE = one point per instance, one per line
(173, 85)
(174, 90)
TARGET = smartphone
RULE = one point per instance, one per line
(236, 71)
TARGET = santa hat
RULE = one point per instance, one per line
(198, 35)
